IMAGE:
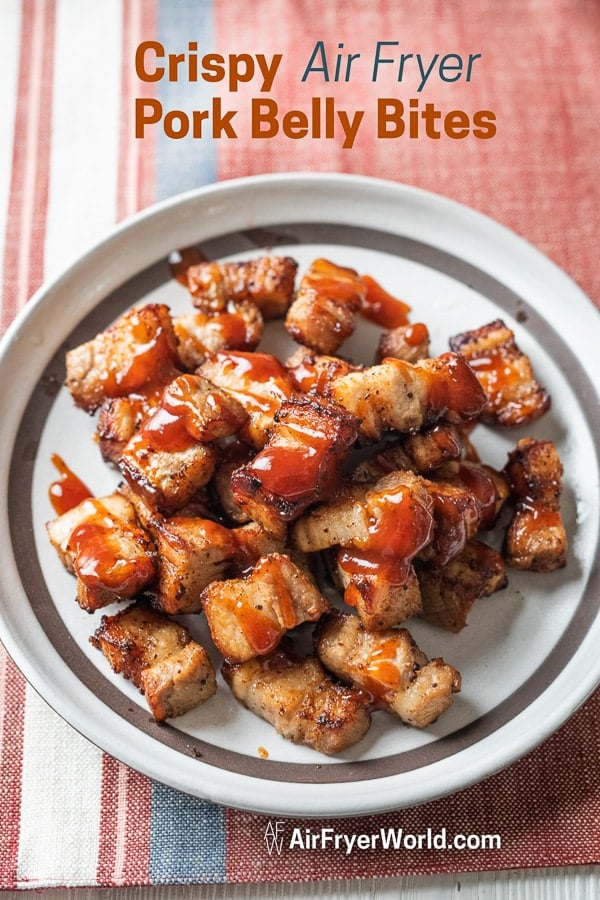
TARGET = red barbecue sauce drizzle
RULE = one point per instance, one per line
(398, 529)
(381, 676)
(416, 334)
(68, 491)
(381, 307)
(262, 632)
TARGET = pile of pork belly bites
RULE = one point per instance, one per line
(252, 486)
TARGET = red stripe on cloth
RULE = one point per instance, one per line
(28, 201)
(12, 716)
(545, 809)
(124, 840)
(540, 172)
(136, 185)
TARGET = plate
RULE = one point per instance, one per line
(529, 655)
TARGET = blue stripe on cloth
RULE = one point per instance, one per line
(184, 163)
(187, 839)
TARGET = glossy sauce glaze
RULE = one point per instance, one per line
(68, 491)
(152, 361)
(97, 561)
(482, 485)
(339, 283)
(399, 527)
(382, 308)
(453, 386)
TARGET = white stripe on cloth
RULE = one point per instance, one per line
(85, 131)
(59, 823)
(9, 73)
(62, 771)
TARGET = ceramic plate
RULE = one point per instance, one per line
(529, 655)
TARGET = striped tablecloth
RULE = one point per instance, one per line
(71, 167)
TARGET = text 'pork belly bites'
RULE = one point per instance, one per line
(159, 656)
(300, 700)
(248, 616)
(505, 373)
(389, 666)
(536, 538)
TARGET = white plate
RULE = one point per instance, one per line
(529, 654)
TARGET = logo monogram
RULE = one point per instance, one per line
(274, 837)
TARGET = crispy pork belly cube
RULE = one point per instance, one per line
(401, 396)
(61, 528)
(449, 591)
(536, 538)
(171, 458)
(300, 700)
(258, 381)
(267, 281)
(252, 542)
(504, 372)
(456, 516)
(119, 419)
(371, 517)
(159, 656)
(407, 342)
(313, 373)
(322, 314)
(233, 456)
(239, 327)
(191, 554)
(248, 617)
(101, 543)
(299, 465)
(429, 449)
(379, 529)
(166, 480)
(135, 353)
(379, 601)
(389, 666)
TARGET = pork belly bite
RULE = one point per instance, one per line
(138, 353)
(171, 457)
(191, 554)
(267, 281)
(159, 656)
(504, 372)
(429, 449)
(408, 342)
(258, 381)
(379, 529)
(238, 327)
(101, 543)
(300, 700)
(449, 591)
(313, 373)
(248, 617)
(322, 315)
(536, 538)
(299, 465)
(398, 395)
(389, 666)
